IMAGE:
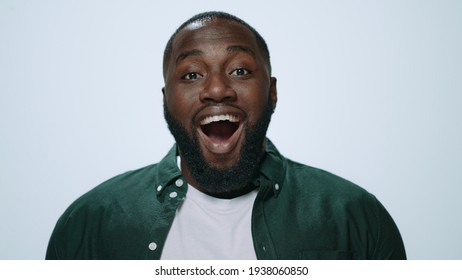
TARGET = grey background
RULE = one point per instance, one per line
(369, 90)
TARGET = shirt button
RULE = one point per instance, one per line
(179, 183)
(173, 194)
(276, 187)
(152, 246)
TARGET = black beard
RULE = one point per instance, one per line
(223, 182)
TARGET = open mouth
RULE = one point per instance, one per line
(220, 133)
(220, 128)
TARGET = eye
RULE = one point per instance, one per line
(240, 72)
(191, 76)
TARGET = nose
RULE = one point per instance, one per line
(217, 90)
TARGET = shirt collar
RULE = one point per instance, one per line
(168, 170)
(271, 169)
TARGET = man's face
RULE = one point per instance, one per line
(218, 91)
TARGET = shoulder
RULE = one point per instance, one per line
(342, 212)
(131, 186)
(309, 183)
(345, 209)
(308, 180)
(88, 224)
(119, 191)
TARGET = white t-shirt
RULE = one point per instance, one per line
(206, 227)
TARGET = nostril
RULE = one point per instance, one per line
(228, 98)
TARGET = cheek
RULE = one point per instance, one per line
(181, 105)
(255, 99)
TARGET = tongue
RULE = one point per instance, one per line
(220, 131)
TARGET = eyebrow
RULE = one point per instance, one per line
(238, 48)
(184, 55)
(231, 49)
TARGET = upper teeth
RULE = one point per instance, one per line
(218, 118)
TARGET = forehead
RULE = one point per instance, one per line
(211, 33)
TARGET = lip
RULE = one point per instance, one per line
(219, 147)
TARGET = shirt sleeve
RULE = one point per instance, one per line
(52, 249)
(389, 244)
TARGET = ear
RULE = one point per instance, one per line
(163, 93)
(274, 92)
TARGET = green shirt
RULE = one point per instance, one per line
(300, 213)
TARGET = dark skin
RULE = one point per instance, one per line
(216, 70)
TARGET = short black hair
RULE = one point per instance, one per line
(207, 16)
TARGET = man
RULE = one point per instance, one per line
(224, 191)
